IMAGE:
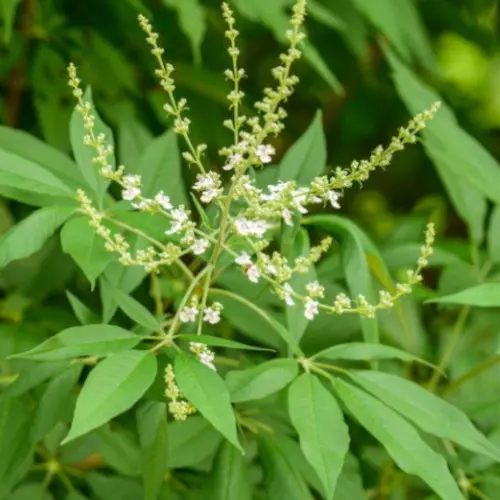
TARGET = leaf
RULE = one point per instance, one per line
(221, 342)
(323, 15)
(431, 413)
(30, 491)
(53, 405)
(119, 450)
(153, 436)
(191, 442)
(84, 315)
(136, 311)
(20, 174)
(230, 475)
(192, 21)
(494, 235)
(207, 391)
(84, 154)
(400, 439)
(111, 388)
(323, 434)
(350, 484)
(29, 235)
(86, 247)
(484, 295)
(363, 351)
(296, 321)
(160, 168)
(282, 477)
(306, 158)
(8, 9)
(355, 250)
(261, 380)
(88, 340)
(105, 487)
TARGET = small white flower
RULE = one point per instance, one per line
(131, 193)
(265, 152)
(209, 195)
(180, 216)
(315, 289)
(311, 308)
(243, 259)
(246, 227)
(163, 200)
(287, 295)
(132, 180)
(211, 315)
(272, 269)
(299, 198)
(188, 314)
(253, 273)
(333, 197)
(233, 160)
(199, 246)
(207, 357)
(287, 216)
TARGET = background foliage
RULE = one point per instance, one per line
(368, 66)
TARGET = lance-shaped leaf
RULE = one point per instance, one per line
(323, 434)
(400, 439)
(484, 295)
(87, 340)
(112, 387)
(429, 412)
(207, 391)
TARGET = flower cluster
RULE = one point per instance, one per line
(177, 406)
(245, 212)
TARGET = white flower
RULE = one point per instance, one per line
(287, 216)
(315, 289)
(253, 273)
(311, 308)
(243, 259)
(131, 193)
(163, 200)
(265, 152)
(132, 181)
(333, 197)
(208, 195)
(207, 357)
(287, 295)
(233, 160)
(211, 315)
(188, 314)
(199, 246)
(272, 269)
(299, 198)
(208, 185)
(246, 227)
(180, 216)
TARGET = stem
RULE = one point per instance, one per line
(204, 299)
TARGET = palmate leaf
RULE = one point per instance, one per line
(400, 439)
(429, 412)
(323, 434)
(112, 387)
(207, 391)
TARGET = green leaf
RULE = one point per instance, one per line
(323, 434)
(112, 387)
(31, 377)
(53, 405)
(20, 174)
(362, 351)
(261, 380)
(192, 21)
(356, 248)
(30, 491)
(207, 391)
(85, 154)
(494, 235)
(221, 342)
(282, 477)
(81, 311)
(105, 487)
(8, 9)
(86, 247)
(306, 159)
(323, 15)
(485, 295)
(88, 340)
(136, 311)
(230, 477)
(119, 450)
(27, 237)
(153, 436)
(296, 321)
(133, 137)
(350, 483)
(160, 168)
(400, 439)
(431, 413)
(191, 442)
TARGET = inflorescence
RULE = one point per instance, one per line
(259, 210)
